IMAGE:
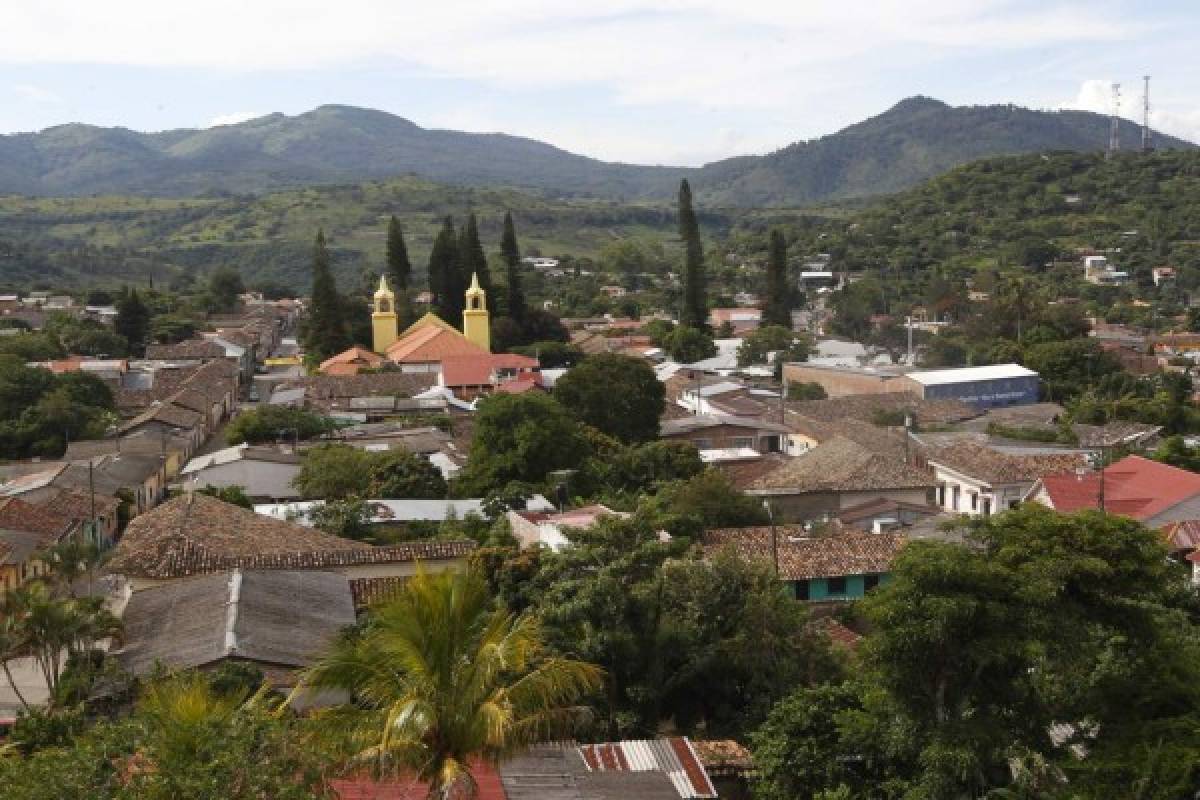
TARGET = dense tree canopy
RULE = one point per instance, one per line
(618, 395)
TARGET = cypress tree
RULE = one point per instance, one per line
(400, 270)
(133, 321)
(694, 311)
(777, 307)
(473, 260)
(327, 334)
(511, 254)
(446, 280)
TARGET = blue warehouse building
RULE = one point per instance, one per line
(983, 387)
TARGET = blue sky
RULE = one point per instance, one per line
(668, 81)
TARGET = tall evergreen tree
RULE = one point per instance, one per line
(446, 280)
(694, 312)
(472, 258)
(511, 254)
(400, 270)
(327, 334)
(399, 267)
(777, 307)
(133, 321)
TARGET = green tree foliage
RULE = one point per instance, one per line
(520, 438)
(234, 495)
(339, 471)
(644, 467)
(446, 282)
(224, 288)
(777, 339)
(1174, 451)
(777, 309)
(551, 354)
(398, 265)
(473, 259)
(706, 500)
(33, 346)
(327, 331)
(510, 253)
(694, 311)
(801, 391)
(172, 328)
(41, 412)
(1070, 367)
(468, 681)
(616, 394)
(267, 423)
(688, 345)
(133, 320)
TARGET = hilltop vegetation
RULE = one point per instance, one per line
(916, 139)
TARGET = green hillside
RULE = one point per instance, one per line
(66, 241)
(917, 139)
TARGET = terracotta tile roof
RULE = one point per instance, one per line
(839, 635)
(1134, 487)
(883, 505)
(326, 389)
(480, 369)
(19, 515)
(76, 504)
(194, 534)
(991, 466)
(1114, 433)
(354, 356)
(369, 591)
(864, 407)
(431, 343)
(867, 434)
(723, 756)
(742, 474)
(189, 349)
(841, 465)
(803, 557)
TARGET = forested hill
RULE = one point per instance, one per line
(330, 144)
(917, 139)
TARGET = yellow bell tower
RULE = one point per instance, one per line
(475, 316)
(384, 327)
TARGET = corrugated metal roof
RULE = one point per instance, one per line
(674, 757)
(937, 377)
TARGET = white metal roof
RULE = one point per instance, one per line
(939, 377)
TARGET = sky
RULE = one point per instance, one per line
(646, 81)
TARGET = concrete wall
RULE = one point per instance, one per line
(840, 383)
(819, 588)
(986, 394)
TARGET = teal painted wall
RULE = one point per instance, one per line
(818, 588)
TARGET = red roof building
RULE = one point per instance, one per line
(1134, 487)
(349, 362)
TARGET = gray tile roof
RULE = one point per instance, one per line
(841, 465)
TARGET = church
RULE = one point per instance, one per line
(463, 359)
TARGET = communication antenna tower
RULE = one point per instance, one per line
(1147, 145)
(1114, 136)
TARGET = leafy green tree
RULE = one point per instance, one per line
(334, 472)
(32, 347)
(551, 354)
(461, 681)
(224, 289)
(778, 307)
(172, 328)
(473, 260)
(694, 312)
(234, 495)
(1174, 451)
(327, 332)
(1069, 368)
(510, 252)
(777, 339)
(133, 320)
(802, 391)
(520, 438)
(267, 423)
(401, 474)
(86, 389)
(619, 395)
(644, 467)
(707, 500)
(349, 518)
(688, 345)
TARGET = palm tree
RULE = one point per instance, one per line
(441, 678)
(12, 644)
(70, 560)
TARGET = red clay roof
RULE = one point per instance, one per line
(487, 779)
(1133, 487)
(432, 343)
(477, 370)
(354, 356)
(18, 515)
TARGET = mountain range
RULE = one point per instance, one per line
(914, 140)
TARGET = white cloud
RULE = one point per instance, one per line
(715, 53)
(232, 119)
(1168, 114)
(36, 93)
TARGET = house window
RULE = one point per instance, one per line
(835, 586)
(974, 501)
(987, 506)
(702, 444)
(941, 494)
(742, 441)
(954, 502)
(870, 582)
(802, 592)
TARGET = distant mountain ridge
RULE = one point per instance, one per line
(914, 140)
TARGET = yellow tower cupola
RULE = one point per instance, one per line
(476, 326)
(384, 326)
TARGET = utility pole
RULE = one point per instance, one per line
(774, 537)
(92, 495)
